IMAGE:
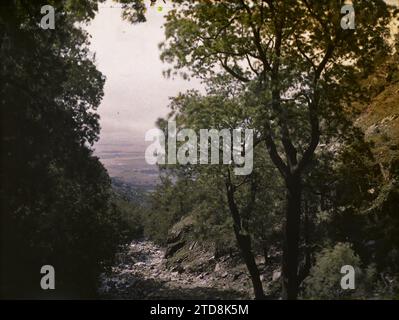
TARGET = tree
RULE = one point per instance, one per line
(324, 281)
(242, 197)
(301, 61)
(55, 195)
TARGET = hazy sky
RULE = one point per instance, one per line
(136, 93)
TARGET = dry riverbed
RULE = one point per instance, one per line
(141, 273)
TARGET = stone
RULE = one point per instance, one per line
(276, 275)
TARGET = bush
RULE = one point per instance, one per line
(324, 281)
(132, 216)
(69, 223)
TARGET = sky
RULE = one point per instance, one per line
(136, 93)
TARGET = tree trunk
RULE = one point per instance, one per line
(291, 238)
(245, 246)
(244, 243)
(265, 252)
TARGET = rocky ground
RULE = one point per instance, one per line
(142, 273)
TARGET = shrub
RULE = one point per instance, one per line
(324, 281)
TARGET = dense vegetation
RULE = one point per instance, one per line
(322, 101)
(349, 204)
(320, 191)
(56, 197)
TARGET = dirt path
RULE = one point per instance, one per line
(141, 273)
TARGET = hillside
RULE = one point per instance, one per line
(379, 119)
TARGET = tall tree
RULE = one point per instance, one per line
(55, 195)
(224, 108)
(300, 58)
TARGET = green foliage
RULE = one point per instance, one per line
(200, 191)
(168, 204)
(324, 281)
(56, 197)
(291, 72)
(132, 216)
(285, 74)
(133, 10)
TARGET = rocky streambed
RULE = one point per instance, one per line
(141, 272)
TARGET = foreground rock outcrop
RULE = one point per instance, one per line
(142, 273)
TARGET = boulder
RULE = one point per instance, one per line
(178, 236)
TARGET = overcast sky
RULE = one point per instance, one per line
(136, 93)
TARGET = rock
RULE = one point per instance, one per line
(276, 275)
(192, 246)
(175, 268)
(139, 264)
(217, 267)
(177, 237)
(173, 248)
(146, 276)
(237, 275)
